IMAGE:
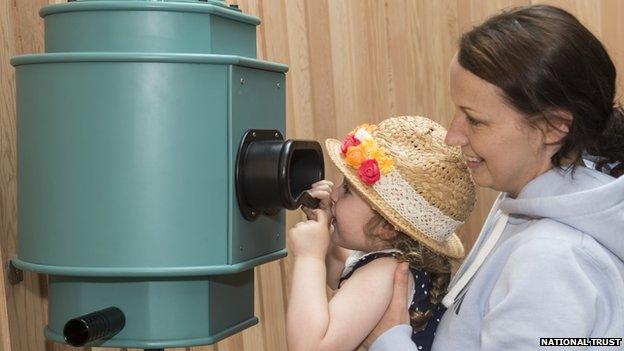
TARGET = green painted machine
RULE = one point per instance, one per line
(152, 170)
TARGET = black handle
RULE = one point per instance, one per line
(309, 201)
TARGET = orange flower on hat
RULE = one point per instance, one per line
(386, 165)
(362, 153)
(355, 156)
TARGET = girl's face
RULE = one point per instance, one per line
(502, 151)
(350, 215)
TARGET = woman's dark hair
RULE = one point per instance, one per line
(545, 61)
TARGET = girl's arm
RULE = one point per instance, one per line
(307, 314)
(335, 262)
(336, 255)
(358, 305)
(394, 332)
(313, 323)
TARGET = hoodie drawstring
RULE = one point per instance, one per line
(483, 253)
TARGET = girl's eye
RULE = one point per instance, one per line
(345, 186)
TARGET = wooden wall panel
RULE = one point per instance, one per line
(351, 61)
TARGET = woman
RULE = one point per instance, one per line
(535, 92)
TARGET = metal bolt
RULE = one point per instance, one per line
(253, 134)
(240, 248)
(15, 274)
(242, 81)
(253, 213)
(277, 135)
(278, 85)
(277, 236)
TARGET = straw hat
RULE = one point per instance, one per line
(405, 171)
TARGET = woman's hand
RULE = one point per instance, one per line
(397, 312)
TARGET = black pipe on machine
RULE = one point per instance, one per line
(273, 173)
(94, 326)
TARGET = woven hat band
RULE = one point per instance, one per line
(428, 219)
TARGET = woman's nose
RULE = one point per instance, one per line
(455, 135)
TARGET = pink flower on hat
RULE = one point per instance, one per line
(369, 172)
(350, 140)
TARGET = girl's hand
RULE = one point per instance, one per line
(311, 238)
(322, 191)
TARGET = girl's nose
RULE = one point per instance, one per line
(456, 135)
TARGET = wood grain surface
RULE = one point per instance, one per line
(351, 61)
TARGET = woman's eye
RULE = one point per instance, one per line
(472, 121)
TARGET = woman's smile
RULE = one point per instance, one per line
(473, 162)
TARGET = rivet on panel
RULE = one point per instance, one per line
(242, 81)
(278, 85)
(15, 274)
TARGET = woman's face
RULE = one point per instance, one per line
(502, 151)
(350, 215)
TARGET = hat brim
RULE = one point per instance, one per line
(451, 247)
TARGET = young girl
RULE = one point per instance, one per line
(404, 194)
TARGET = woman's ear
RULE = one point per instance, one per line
(557, 126)
(386, 231)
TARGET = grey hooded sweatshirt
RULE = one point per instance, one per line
(556, 271)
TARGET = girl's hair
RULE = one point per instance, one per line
(420, 257)
(546, 62)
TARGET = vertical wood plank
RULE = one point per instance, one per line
(253, 338)
(5, 341)
(613, 37)
(273, 300)
(232, 343)
(24, 302)
(351, 62)
(8, 187)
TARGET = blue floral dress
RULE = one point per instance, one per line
(419, 298)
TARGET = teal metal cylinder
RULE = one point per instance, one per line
(128, 128)
(189, 26)
(157, 316)
(134, 155)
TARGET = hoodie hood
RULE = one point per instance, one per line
(586, 199)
